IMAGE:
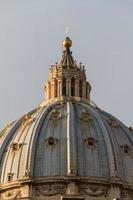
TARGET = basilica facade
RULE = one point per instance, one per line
(67, 148)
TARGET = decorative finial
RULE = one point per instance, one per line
(67, 43)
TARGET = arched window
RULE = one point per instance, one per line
(64, 87)
(72, 87)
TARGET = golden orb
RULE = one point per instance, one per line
(67, 42)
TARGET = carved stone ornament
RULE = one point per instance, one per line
(27, 174)
(94, 191)
(112, 122)
(55, 115)
(115, 176)
(5, 130)
(126, 195)
(11, 195)
(50, 190)
(85, 116)
(27, 120)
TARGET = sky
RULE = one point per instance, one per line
(31, 35)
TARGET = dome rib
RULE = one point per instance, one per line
(5, 167)
(118, 172)
(71, 141)
(120, 138)
(34, 139)
(23, 169)
(108, 143)
(5, 146)
(98, 128)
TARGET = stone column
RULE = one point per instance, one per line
(88, 92)
(49, 91)
(54, 88)
(60, 87)
(84, 90)
(46, 91)
(77, 88)
(115, 193)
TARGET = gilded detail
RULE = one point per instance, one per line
(11, 195)
(28, 119)
(5, 130)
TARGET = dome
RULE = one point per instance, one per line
(66, 148)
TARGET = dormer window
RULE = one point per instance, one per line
(90, 142)
(9, 177)
(15, 146)
(125, 148)
(51, 141)
(85, 116)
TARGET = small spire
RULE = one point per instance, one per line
(67, 59)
